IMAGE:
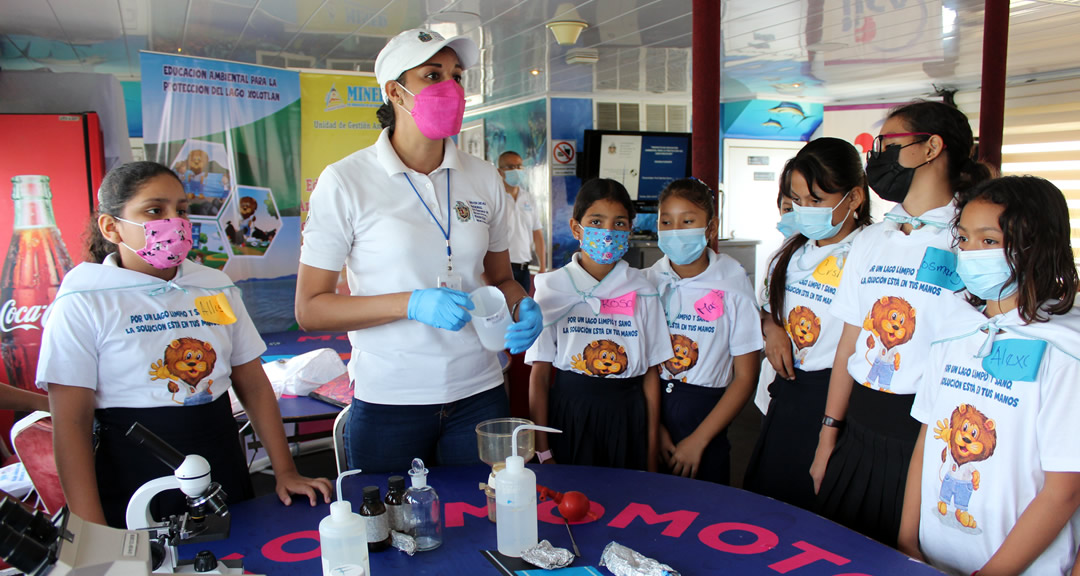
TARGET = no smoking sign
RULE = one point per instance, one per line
(564, 154)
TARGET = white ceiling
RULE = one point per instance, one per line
(820, 50)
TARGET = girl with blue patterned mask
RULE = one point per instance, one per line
(595, 365)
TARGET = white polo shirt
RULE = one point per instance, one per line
(365, 214)
(524, 221)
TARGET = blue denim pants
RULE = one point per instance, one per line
(384, 438)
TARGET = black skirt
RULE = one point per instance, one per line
(780, 464)
(208, 430)
(683, 407)
(604, 421)
(865, 480)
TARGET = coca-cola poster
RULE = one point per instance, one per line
(50, 168)
(231, 132)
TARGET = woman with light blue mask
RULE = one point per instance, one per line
(712, 317)
(826, 184)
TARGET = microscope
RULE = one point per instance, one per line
(207, 517)
(68, 545)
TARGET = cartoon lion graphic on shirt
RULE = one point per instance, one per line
(891, 322)
(969, 437)
(187, 362)
(804, 328)
(601, 358)
(685, 358)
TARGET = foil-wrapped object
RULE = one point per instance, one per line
(548, 557)
(622, 561)
(403, 542)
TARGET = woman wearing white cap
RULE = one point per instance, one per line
(418, 225)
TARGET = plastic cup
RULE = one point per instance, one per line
(493, 440)
(490, 317)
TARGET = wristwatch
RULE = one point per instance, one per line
(543, 456)
(832, 422)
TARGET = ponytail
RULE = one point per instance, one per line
(778, 277)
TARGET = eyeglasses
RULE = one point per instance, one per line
(879, 142)
(511, 167)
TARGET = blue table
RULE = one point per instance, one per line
(696, 527)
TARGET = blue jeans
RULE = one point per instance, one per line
(384, 438)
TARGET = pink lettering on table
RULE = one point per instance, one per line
(764, 539)
(711, 306)
(619, 305)
(678, 521)
(275, 549)
(809, 555)
(455, 513)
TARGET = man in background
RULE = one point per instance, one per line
(525, 229)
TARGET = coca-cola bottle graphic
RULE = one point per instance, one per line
(36, 262)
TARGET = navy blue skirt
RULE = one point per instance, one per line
(122, 466)
(604, 421)
(865, 480)
(683, 407)
(780, 464)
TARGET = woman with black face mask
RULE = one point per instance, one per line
(898, 282)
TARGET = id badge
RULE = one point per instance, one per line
(449, 280)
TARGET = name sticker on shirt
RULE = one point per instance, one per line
(828, 272)
(711, 306)
(619, 305)
(215, 309)
(939, 268)
(1015, 359)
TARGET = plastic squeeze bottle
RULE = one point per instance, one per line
(343, 539)
(515, 501)
(423, 515)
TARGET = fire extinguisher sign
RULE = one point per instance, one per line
(564, 157)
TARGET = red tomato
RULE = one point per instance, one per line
(574, 506)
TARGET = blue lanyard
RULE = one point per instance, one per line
(445, 231)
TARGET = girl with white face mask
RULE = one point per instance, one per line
(712, 317)
(992, 488)
(827, 187)
(418, 225)
(129, 339)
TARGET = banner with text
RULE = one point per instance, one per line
(231, 132)
(337, 119)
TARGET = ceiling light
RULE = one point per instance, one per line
(568, 25)
(566, 31)
(534, 72)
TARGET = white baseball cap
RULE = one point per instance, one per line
(412, 48)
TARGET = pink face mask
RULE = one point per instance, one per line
(168, 242)
(438, 109)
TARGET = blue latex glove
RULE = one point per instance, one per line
(440, 307)
(521, 334)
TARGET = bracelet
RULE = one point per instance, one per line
(513, 310)
(832, 422)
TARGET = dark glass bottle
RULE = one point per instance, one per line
(395, 500)
(375, 519)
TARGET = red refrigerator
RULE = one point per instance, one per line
(50, 168)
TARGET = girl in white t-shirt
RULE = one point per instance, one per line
(897, 288)
(996, 486)
(605, 335)
(827, 184)
(130, 338)
(712, 317)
